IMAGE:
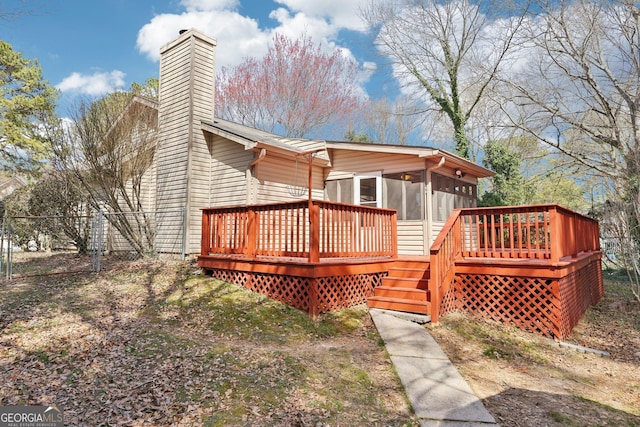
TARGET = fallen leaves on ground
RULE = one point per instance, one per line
(155, 343)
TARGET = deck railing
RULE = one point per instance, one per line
(545, 232)
(330, 230)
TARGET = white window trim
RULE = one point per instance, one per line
(356, 187)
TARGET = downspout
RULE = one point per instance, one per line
(251, 197)
(429, 205)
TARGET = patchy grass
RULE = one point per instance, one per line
(155, 343)
(527, 380)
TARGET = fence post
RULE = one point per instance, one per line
(2, 246)
(434, 284)
(9, 249)
(100, 237)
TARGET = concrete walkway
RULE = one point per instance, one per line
(439, 395)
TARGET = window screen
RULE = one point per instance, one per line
(449, 194)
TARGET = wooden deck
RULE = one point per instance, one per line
(537, 267)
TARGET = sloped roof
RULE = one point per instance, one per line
(9, 185)
(254, 138)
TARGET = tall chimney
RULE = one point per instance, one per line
(186, 98)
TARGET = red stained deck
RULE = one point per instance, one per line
(537, 267)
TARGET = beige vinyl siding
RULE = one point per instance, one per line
(276, 177)
(173, 116)
(186, 98)
(228, 172)
(148, 189)
(346, 163)
(411, 237)
(200, 158)
(173, 153)
(437, 228)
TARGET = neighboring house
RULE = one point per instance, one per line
(9, 185)
(382, 224)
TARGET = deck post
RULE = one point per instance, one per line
(394, 237)
(314, 233)
(434, 278)
(555, 229)
(252, 233)
(314, 304)
(205, 243)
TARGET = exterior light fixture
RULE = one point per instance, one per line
(459, 173)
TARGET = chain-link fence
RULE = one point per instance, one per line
(128, 236)
(38, 245)
(45, 245)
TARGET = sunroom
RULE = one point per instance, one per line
(423, 185)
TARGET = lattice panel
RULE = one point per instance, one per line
(287, 289)
(290, 290)
(450, 302)
(527, 303)
(334, 292)
(236, 277)
(376, 279)
(337, 292)
(578, 291)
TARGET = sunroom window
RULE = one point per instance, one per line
(449, 194)
(403, 192)
(400, 191)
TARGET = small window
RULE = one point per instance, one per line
(340, 190)
(368, 192)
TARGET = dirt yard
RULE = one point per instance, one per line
(156, 343)
(527, 381)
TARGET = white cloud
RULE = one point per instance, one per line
(95, 84)
(241, 36)
(370, 66)
(238, 36)
(340, 14)
(208, 5)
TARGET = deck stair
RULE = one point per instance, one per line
(406, 288)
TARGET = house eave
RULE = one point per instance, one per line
(466, 166)
(452, 160)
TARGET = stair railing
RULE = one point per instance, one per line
(444, 251)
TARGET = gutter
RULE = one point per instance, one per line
(263, 154)
(251, 197)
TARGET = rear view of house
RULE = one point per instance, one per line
(323, 225)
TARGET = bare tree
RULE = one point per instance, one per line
(296, 86)
(579, 91)
(392, 122)
(446, 53)
(12, 9)
(109, 146)
(64, 206)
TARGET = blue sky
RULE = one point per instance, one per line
(92, 47)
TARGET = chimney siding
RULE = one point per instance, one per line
(186, 97)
